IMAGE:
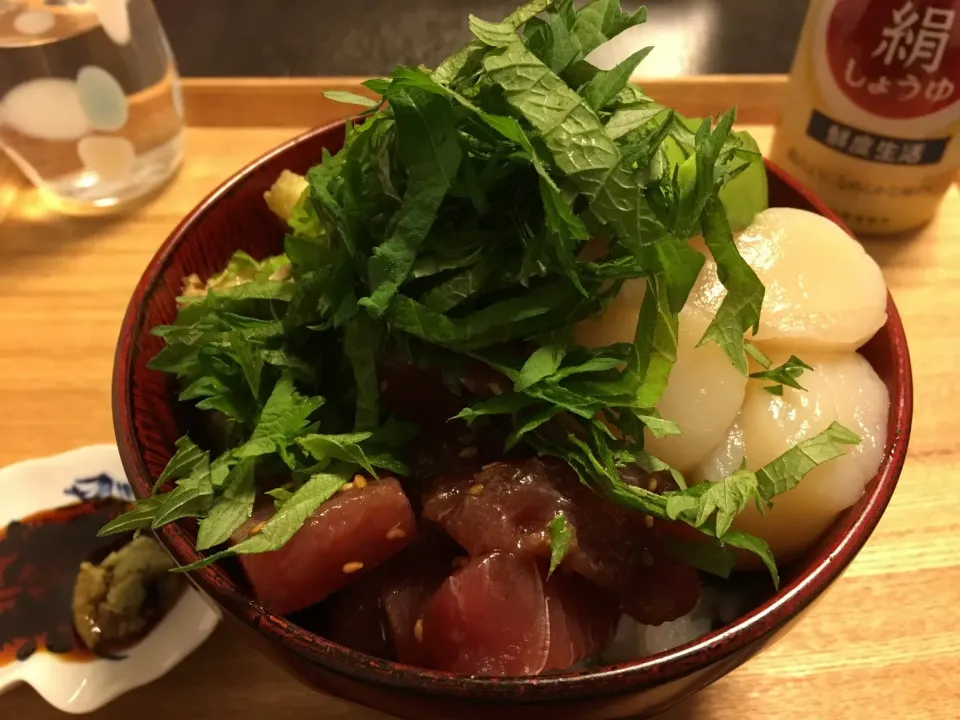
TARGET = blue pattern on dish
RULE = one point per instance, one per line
(100, 486)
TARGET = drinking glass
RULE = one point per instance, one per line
(90, 102)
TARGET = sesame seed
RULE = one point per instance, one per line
(489, 465)
(475, 489)
(383, 386)
(352, 567)
(396, 533)
(652, 485)
(648, 521)
(468, 452)
(646, 559)
(258, 527)
(346, 487)
(418, 630)
(360, 481)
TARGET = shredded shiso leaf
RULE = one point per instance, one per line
(449, 228)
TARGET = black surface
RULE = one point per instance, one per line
(369, 37)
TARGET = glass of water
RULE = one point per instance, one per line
(90, 103)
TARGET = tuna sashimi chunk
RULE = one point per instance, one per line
(443, 445)
(661, 592)
(354, 617)
(508, 505)
(349, 534)
(498, 615)
(419, 394)
(455, 448)
(505, 506)
(583, 619)
(377, 614)
(409, 582)
(489, 618)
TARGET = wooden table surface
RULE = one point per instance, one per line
(884, 643)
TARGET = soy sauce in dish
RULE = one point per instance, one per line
(40, 557)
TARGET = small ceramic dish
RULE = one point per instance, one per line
(75, 686)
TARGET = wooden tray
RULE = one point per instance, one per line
(885, 643)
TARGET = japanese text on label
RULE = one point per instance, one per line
(875, 148)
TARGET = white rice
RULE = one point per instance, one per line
(634, 640)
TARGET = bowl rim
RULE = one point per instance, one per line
(844, 539)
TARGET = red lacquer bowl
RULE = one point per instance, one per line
(148, 421)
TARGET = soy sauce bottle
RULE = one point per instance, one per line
(871, 117)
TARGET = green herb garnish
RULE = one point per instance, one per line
(450, 227)
(561, 535)
(784, 374)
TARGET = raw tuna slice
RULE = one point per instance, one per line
(498, 616)
(420, 394)
(489, 618)
(410, 580)
(455, 448)
(443, 445)
(505, 506)
(378, 613)
(508, 505)
(353, 617)
(416, 394)
(348, 535)
(583, 619)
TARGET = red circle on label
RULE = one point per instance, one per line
(896, 58)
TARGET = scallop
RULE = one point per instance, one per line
(842, 388)
(823, 292)
(618, 322)
(704, 391)
(702, 396)
(725, 459)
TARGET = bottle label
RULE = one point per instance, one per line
(872, 147)
(871, 119)
(890, 62)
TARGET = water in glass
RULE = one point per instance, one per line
(90, 103)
